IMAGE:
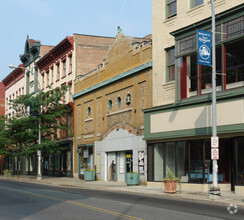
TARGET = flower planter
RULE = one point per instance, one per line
(8, 173)
(89, 175)
(170, 186)
(132, 178)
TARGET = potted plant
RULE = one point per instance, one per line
(8, 173)
(89, 175)
(132, 178)
(170, 183)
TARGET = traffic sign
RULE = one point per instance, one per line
(215, 153)
(214, 142)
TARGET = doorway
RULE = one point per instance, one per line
(112, 166)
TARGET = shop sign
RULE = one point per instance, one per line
(204, 47)
(85, 153)
(215, 153)
(141, 161)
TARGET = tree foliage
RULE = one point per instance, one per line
(44, 109)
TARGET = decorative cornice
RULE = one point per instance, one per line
(113, 79)
(14, 76)
(56, 53)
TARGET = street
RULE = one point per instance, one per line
(20, 200)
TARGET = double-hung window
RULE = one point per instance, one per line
(195, 3)
(170, 59)
(195, 79)
(171, 8)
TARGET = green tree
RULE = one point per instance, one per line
(44, 109)
(4, 142)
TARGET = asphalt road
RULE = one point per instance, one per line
(33, 201)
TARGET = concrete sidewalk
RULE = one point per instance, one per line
(226, 198)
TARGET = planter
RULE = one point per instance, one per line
(8, 173)
(132, 178)
(89, 175)
(170, 186)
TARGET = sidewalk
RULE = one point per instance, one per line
(226, 197)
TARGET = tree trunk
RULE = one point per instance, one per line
(1, 161)
(18, 166)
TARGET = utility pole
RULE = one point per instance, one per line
(214, 189)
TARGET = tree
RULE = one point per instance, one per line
(44, 108)
(4, 141)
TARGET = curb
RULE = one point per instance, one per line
(178, 196)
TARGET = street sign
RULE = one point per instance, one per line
(204, 47)
(215, 153)
(214, 142)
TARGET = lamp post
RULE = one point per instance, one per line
(39, 174)
(214, 189)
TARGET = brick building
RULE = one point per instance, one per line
(108, 104)
(14, 86)
(2, 99)
(74, 55)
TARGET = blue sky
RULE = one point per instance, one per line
(50, 21)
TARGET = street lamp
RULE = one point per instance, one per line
(39, 174)
(214, 189)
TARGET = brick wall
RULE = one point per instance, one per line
(95, 125)
(90, 52)
(2, 99)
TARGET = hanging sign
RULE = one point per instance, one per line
(204, 47)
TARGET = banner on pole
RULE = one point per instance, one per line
(204, 40)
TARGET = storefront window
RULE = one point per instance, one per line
(169, 158)
(235, 62)
(158, 162)
(181, 161)
(85, 158)
(240, 161)
(196, 162)
(51, 159)
(69, 160)
(191, 161)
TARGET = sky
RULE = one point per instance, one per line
(50, 21)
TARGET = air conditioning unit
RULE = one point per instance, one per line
(128, 100)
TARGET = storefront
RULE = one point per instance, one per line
(191, 161)
(178, 135)
(59, 163)
(178, 140)
(85, 158)
(119, 153)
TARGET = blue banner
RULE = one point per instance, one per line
(204, 47)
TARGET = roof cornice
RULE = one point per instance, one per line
(56, 53)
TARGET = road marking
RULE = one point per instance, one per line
(106, 211)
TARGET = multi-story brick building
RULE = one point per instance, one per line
(108, 101)
(178, 128)
(74, 55)
(2, 99)
(14, 86)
